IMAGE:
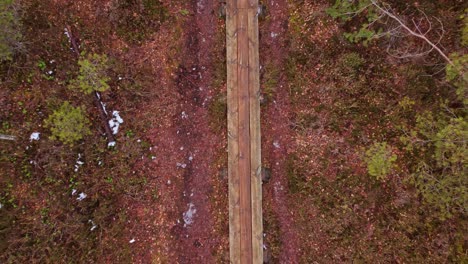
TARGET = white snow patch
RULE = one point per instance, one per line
(79, 163)
(276, 144)
(184, 115)
(188, 215)
(132, 241)
(104, 107)
(115, 122)
(73, 192)
(81, 196)
(35, 136)
(181, 165)
(67, 34)
(190, 158)
(111, 144)
(274, 35)
(93, 225)
(278, 187)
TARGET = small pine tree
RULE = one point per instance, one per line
(92, 76)
(379, 160)
(10, 30)
(68, 124)
(345, 10)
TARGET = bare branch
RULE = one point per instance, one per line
(418, 34)
(7, 137)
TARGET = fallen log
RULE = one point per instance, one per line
(97, 98)
(7, 137)
(104, 118)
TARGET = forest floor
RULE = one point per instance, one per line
(160, 196)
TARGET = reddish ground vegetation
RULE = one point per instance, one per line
(160, 196)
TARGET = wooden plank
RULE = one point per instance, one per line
(242, 4)
(244, 146)
(244, 137)
(233, 153)
(254, 5)
(255, 136)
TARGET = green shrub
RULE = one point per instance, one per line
(440, 173)
(68, 124)
(93, 75)
(10, 34)
(379, 160)
(350, 63)
(345, 11)
(457, 74)
(465, 30)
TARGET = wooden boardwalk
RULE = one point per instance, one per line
(244, 145)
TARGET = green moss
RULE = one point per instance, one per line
(218, 113)
(297, 182)
(269, 81)
(273, 235)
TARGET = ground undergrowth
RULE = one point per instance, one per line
(361, 122)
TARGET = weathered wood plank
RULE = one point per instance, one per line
(255, 136)
(245, 186)
(233, 123)
(244, 137)
(242, 3)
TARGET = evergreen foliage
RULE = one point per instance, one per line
(92, 76)
(68, 124)
(457, 74)
(345, 11)
(10, 33)
(440, 142)
(465, 30)
(379, 160)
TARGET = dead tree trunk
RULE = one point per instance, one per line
(104, 118)
(96, 97)
(7, 137)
